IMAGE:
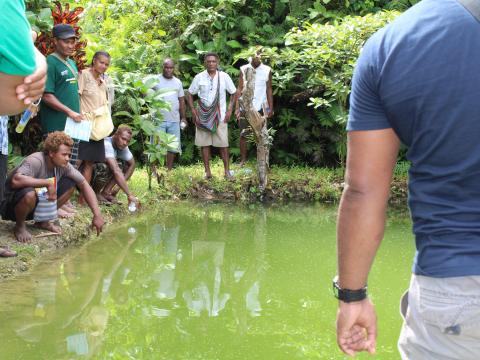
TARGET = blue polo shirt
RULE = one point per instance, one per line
(420, 76)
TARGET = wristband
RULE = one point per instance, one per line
(348, 295)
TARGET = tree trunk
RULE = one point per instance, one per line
(260, 130)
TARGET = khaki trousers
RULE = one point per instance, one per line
(441, 319)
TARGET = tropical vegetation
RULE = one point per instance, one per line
(312, 46)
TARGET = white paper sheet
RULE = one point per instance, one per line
(78, 130)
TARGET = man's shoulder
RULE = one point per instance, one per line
(164, 82)
(177, 80)
(52, 60)
(224, 75)
(200, 74)
(36, 158)
(266, 67)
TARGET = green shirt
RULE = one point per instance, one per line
(62, 83)
(17, 56)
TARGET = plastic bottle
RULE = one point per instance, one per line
(27, 115)
(132, 207)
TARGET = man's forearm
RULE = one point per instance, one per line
(270, 99)
(233, 100)
(20, 181)
(128, 173)
(90, 198)
(121, 182)
(270, 92)
(10, 105)
(52, 101)
(181, 102)
(360, 227)
(371, 158)
(189, 98)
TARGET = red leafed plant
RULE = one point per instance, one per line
(44, 42)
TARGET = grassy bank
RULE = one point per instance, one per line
(286, 184)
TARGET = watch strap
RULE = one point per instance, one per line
(348, 295)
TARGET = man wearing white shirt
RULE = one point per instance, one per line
(262, 98)
(211, 87)
(176, 115)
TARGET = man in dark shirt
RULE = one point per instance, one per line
(416, 82)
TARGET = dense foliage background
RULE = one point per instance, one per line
(311, 45)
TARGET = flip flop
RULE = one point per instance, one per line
(6, 252)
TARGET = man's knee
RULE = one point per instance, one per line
(27, 201)
(30, 197)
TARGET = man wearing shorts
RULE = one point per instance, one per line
(211, 87)
(110, 174)
(175, 117)
(36, 171)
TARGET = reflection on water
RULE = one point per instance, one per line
(192, 282)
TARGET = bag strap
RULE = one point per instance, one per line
(75, 73)
(473, 7)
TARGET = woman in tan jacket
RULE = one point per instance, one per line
(96, 96)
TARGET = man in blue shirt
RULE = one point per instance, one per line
(417, 83)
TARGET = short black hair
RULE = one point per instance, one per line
(211, 54)
(100, 53)
(124, 128)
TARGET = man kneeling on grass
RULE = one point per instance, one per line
(40, 181)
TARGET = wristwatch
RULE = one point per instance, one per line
(347, 295)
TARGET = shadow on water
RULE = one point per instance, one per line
(195, 281)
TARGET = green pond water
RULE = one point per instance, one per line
(200, 282)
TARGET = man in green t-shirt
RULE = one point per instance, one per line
(61, 98)
(22, 67)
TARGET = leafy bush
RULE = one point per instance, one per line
(312, 46)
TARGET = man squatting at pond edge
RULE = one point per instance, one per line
(36, 171)
(116, 148)
(416, 82)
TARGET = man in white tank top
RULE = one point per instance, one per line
(262, 98)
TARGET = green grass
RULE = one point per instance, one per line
(296, 183)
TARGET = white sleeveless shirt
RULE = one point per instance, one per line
(262, 73)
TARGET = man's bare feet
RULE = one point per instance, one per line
(64, 214)
(46, 225)
(21, 233)
(111, 198)
(68, 207)
(102, 199)
(6, 252)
